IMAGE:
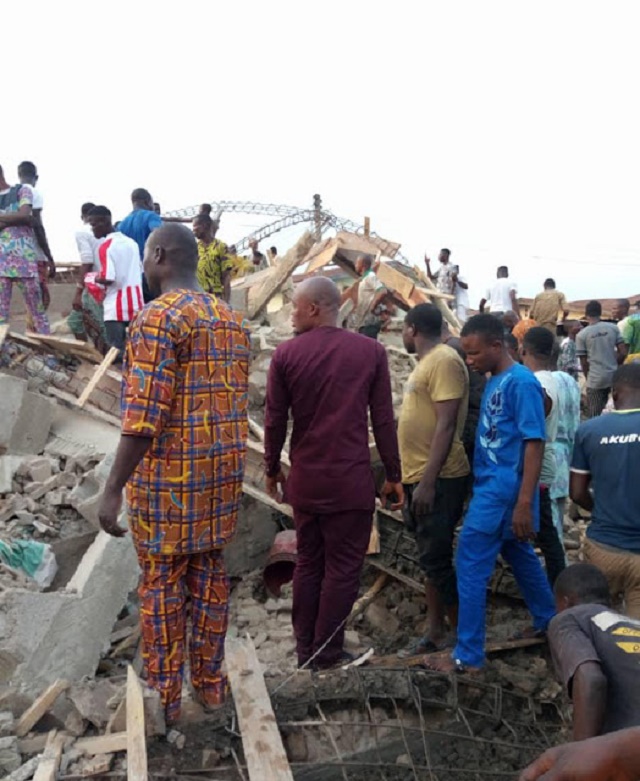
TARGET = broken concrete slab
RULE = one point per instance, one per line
(255, 533)
(9, 466)
(45, 636)
(87, 495)
(10, 758)
(26, 417)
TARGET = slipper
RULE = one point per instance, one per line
(424, 645)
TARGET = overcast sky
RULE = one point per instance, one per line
(507, 131)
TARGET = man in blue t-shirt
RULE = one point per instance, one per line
(139, 225)
(503, 515)
(606, 459)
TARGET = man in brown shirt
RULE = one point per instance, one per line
(596, 653)
(547, 305)
(331, 380)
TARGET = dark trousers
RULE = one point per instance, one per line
(331, 552)
(434, 533)
(371, 331)
(596, 401)
(116, 336)
(548, 539)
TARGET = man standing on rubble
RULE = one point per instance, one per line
(330, 379)
(435, 468)
(367, 294)
(503, 513)
(181, 456)
(139, 224)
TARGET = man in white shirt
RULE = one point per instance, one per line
(502, 296)
(461, 293)
(368, 294)
(447, 280)
(121, 273)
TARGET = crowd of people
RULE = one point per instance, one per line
(489, 437)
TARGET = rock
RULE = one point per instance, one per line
(382, 619)
(6, 724)
(40, 469)
(92, 700)
(10, 758)
(26, 417)
(9, 466)
(351, 640)
(257, 388)
(408, 609)
(271, 606)
(176, 739)
(259, 639)
(94, 766)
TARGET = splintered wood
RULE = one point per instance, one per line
(263, 749)
(42, 705)
(109, 358)
(136, 740)
(50, 759)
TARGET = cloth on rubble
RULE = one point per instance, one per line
(36, 559)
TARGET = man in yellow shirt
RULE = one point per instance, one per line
(547, 305)
(214, 266)
(435, 468)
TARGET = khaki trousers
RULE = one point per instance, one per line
(621, 569)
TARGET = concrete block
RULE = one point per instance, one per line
(6, 724)
(87, 495)
(46, 636)
(255, 533)
(26, 417)
(10, 758)
(40, 469)
(9, 466)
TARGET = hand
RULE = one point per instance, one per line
(522, 522)
(454, 276)
(588, 760)
(52, 268)
(392, 493)
(77, 300)
(424, 497)
(272, 484)
(109, 511)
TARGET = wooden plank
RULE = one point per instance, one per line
(67, 344)
(50, 759)
(136, 739)
(367, 226)
(256, 429)
(374, 539)
(108, 359)
(71, 399)
(448, 314)
(408, 581)
(263, 749)
(395, 281)
(42, 705)
(361, 603)
(103, 744)
(259, 297)
(262, 496)
(4, 330)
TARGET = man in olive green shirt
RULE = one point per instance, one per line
(547, 305)
(435, 468)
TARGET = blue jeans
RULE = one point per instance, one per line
(475, 562)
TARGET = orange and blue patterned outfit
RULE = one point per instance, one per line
(185, 384)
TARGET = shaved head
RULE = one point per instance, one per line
(170, 256)
(316, 303)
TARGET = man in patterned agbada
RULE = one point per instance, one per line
(181, 457)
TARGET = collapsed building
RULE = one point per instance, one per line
(71, 702)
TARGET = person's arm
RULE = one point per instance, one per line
(384, 430)
(611, 757)
(483, 303)
(622, 350)
(277, 404)
(523, 511)
(564, 307)
(589, 695)
(513, 294)
(446, 421)
(41, 237)
(22, 217)
(131, 450)
(148, 389)
(460, 283)
(226, 285)
(427, 263)
(579, 490)
(378, 299)
(582, 353)
(584, 363)
(534, 307)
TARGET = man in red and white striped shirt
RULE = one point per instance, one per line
(121, 273)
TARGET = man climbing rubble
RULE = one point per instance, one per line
(186, 370)
(330, 379)
(435, 468)
(367, 294)
(596, 654)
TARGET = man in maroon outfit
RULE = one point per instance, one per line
(330, 379)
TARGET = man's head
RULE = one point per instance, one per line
(444, 256)
(156, 208)
(141, 199)
(626, 386)
(170, 257)
(581, 584)
(593, 310)
(572, 328)
(422, 323)
(85, 211)
(202, 227)
(363, 264)
(513, 348)
(537, 349)
(27, 173)
(205, 208)
(483, 342)
(503, 272)
(274, 252)
(621, 309)
(549, 284)
(510, 320)
(316, 302)
(100, 221)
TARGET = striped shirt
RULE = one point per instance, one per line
(120, 264)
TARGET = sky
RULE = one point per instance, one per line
(506, 131)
